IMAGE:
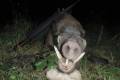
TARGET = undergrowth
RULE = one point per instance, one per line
(31, 61)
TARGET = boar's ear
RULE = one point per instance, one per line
(82, 32)
(59, 39)
(84, 43)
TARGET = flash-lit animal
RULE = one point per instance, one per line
(70, 40)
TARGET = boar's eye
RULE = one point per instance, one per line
(67, 48)
(76, 50)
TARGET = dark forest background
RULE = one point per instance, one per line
(98, 11)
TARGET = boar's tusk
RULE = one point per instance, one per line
(82, 54)
(57, 52)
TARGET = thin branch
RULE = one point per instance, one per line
(115, 36)
(100, 35)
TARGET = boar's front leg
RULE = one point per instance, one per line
(49, 40)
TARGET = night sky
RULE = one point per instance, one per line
(87, 11)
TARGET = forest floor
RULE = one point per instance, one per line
(30, 62)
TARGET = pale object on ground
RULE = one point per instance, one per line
(54, 74)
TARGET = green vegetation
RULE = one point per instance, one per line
(31, 61)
